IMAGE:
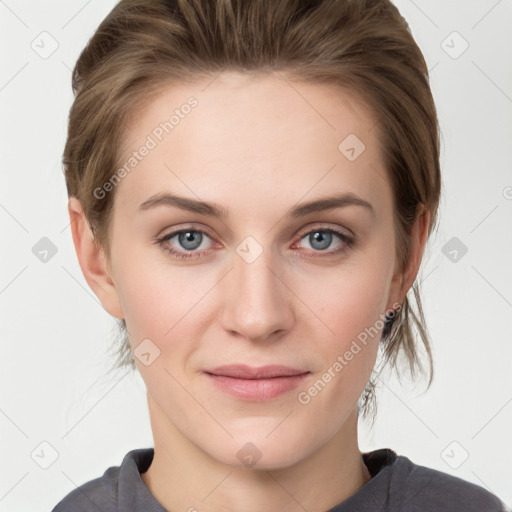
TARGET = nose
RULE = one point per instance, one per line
(258, 303)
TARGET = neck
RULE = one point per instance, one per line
(184, 477)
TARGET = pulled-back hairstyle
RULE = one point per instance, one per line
(363, 46)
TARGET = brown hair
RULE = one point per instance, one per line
(362, 45)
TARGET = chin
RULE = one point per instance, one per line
(260, 453)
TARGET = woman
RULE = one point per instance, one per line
(252, 185)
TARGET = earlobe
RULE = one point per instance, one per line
(92, 260)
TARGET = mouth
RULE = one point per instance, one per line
(243, 371)
(256, 383)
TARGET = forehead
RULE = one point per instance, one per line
(251, 137)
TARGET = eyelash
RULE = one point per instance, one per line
(348, 242)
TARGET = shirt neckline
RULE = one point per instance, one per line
(135, 462)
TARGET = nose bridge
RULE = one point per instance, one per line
(259, 304)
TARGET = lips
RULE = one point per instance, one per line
(242, 371)
(255, 384)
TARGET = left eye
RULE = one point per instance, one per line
(192, 239)
(323, 238)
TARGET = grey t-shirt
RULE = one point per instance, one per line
(397, 484)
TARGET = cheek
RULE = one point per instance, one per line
(349, 298)
(350, 302)
(156, 297)
(348, 350)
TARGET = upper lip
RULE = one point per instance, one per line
(243, 371)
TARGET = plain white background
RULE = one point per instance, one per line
(55, 335)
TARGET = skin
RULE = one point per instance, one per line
(257, 147)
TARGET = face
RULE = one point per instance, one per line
(265, 283)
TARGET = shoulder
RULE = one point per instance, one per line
(103, 493)
(100, 493)
(417, 488)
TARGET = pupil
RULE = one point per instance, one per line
(323, 238)
(187, 239)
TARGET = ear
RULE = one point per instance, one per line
(92, 260)
(402, 282)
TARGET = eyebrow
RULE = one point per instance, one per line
(215, 210)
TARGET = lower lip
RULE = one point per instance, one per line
(256, 389)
